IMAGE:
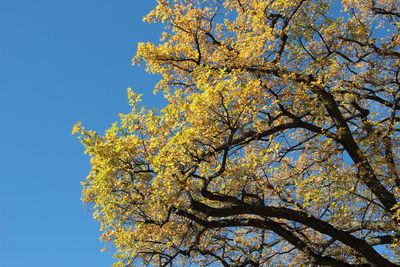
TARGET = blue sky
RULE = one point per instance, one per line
(60, 62)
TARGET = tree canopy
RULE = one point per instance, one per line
(279, 144)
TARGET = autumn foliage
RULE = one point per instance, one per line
(279, 145)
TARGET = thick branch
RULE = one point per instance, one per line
(297, 216)
(268, 225)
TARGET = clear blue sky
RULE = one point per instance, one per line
(61, 61)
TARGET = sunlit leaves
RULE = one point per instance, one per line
(279, 143)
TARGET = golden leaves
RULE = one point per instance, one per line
(264, 98)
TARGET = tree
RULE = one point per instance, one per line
(279, 144)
